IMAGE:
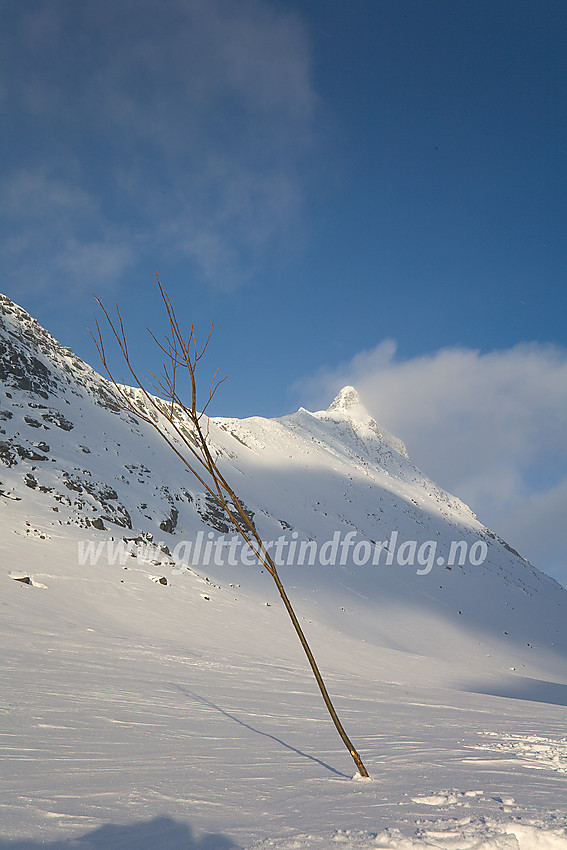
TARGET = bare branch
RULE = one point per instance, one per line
(192, 447)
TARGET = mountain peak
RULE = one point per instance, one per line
(347, 399)
(347, 406)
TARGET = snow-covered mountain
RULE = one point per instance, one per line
(114, 560)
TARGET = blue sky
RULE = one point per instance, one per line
(369, 192)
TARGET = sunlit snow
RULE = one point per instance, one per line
(151, 702)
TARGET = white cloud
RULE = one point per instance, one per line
(34, 195)
(184, 123)
(91, 262)
(55, 232)
(239, 69)
(490, 428)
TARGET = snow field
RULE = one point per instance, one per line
(129, 702)
(151, 708)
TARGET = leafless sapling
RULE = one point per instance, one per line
(169, 415)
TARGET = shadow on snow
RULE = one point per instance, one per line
(521, 687)
(161, 832)
(259, 732)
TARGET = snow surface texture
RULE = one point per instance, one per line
(150, 705)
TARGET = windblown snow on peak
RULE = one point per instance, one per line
(348, 399)
(347, 406)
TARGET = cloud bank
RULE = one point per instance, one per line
(490, 428)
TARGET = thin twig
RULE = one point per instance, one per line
(184, 354)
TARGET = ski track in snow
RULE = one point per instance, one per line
(534, 751)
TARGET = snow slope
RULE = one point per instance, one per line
(154, 701)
